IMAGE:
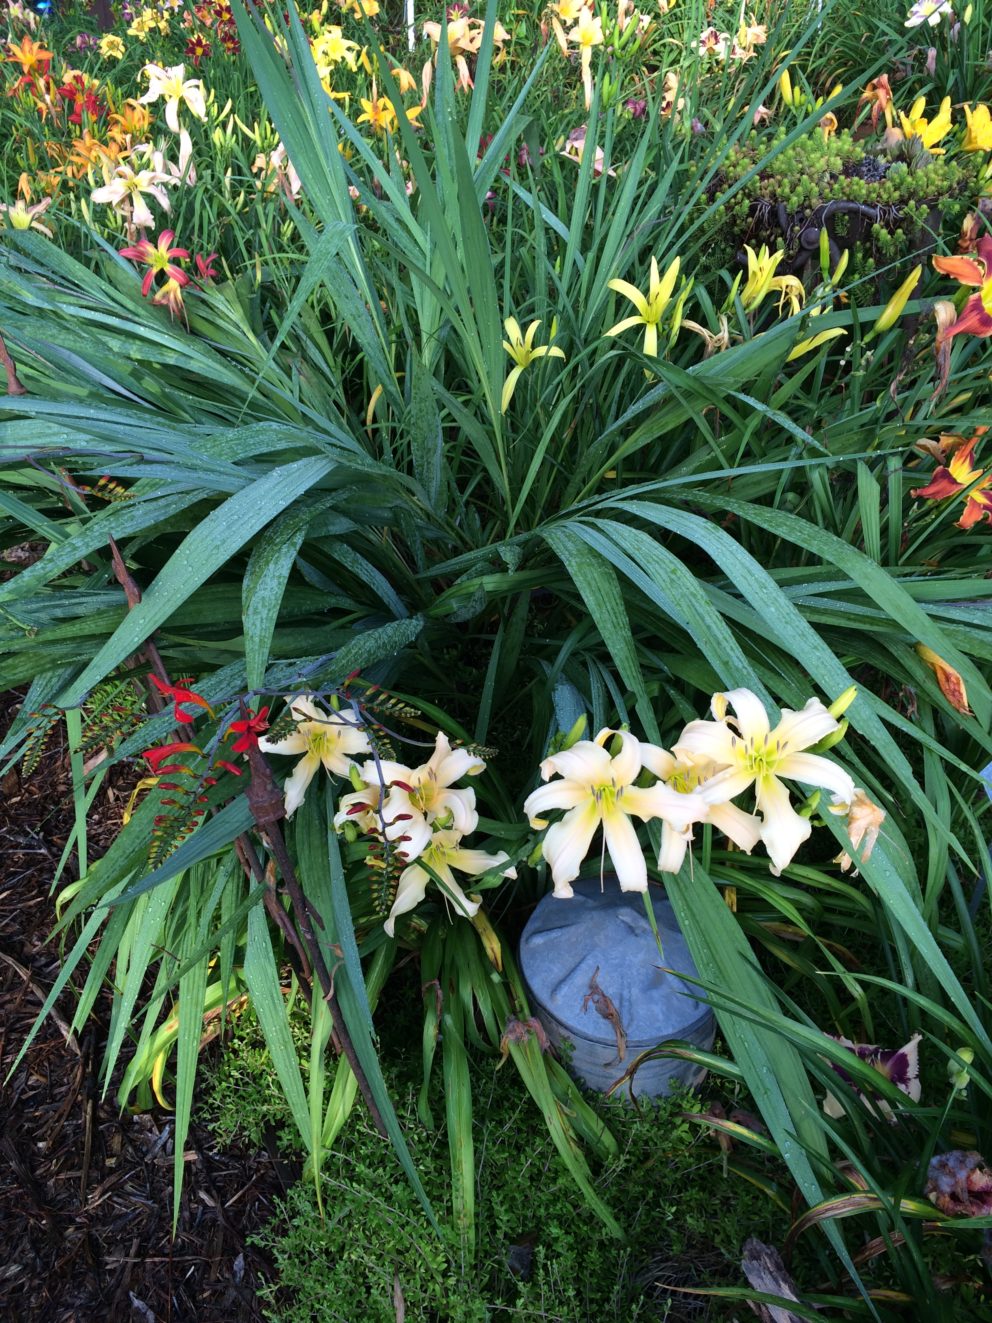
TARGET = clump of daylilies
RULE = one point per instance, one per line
(414, 819)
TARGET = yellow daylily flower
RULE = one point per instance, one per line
(523, 351)
(978, 134)
(930, 132)
(761, 280)
(650, 308)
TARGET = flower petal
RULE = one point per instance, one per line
(783, 831)
(555, 795)
(296, 784)
(567, 844)
(625, 766)
(712, 739)
(625, 851)
(410, 891)
(673, 847)
(744, 829)
(752, 719)
(800, 730)
(812, 770)
(585, 762)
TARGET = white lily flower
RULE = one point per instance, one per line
(598, 790)
(328, 738)
(751, 753)
(421, 797)
(129, 186)
(443, 854)
(361, 807)
(169, 83)
(686, 773)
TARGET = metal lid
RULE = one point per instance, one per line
(581, 956)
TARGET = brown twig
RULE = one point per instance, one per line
(133, 594)
(14, 384)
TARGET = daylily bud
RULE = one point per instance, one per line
(350, 832)
(838, 274)
(893, 310)
(835, 737)
(536, 855)
(809, 806)
(785, 87)
(825, 253)
(355, 777)
(968, 14)
(576, 733)
(840, 705)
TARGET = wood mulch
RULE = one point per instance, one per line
(86, 1192)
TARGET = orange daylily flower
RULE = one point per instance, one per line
(31, 55)
(959, 476)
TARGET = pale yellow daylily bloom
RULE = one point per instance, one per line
(523, 351)
(685, 773)
(420, 800)
(127, 187)
(650, 308)
(331, 739)
(169, 83)
(761, 280)
(598, 790)
(444, 853)
(750, 753)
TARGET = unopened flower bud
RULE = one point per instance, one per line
(840, 705)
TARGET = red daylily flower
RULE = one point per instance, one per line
(180, 694)
(249, 730)
(975, 271)
(205, 266)
(198, 48)
(159, 258)
(157, 757)
(960, 475)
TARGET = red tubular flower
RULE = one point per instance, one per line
(180, 694)
(159, 258)
(158, 756)
(249, 730)
(205, 266)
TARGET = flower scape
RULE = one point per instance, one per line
(461, 461)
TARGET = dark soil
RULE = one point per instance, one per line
(85, 1192)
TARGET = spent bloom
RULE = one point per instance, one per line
(650, 307)
(597, 789)
(523, 351)
(751, 753)
(323, 738)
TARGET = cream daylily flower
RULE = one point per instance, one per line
(751, 753)
(420, 798)
(168, 83)
(686, 773)
(444, 853)
(361, 807)
(322, 737)
(598, 790)
(128, 187)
